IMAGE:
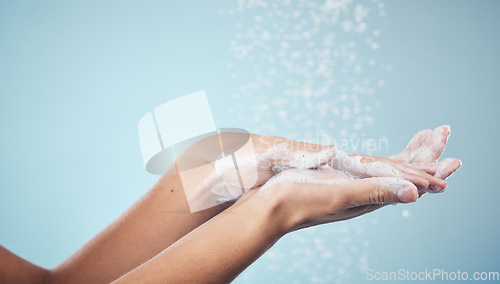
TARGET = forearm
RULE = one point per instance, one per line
(14, 269)
(152, 224)
(220, 249)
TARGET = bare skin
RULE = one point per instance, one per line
(14, 269)
(145, 233)
(275, 151)
(223, 247)
(423, 152)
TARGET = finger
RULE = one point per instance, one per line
(433, 146)
(363, 166)
(439, 140)
(410, 173)
(308, 155)
(423, 154)
(400, 157)
(419, 182)
(433, 181)
(300, 155)
(415, 143)
(427, 168)
(445, 169)
(381, 190)
(419, 139)
(421, 179)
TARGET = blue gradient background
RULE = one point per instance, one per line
(76, 77)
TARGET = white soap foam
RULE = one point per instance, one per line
(225, 182)
(351, 166)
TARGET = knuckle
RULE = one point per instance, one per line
(377, 196)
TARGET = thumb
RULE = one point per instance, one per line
(383, 190)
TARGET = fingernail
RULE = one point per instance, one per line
(407, 195)
(425, 183)
(436, 189)
(405, 191)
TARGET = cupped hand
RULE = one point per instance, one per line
(423, 152)
(263, 156)
(363, 166)
(260, 159)
(309, 197)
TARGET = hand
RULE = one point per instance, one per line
(258, 161)
(363, 166)
(308, 197)
(423, 151)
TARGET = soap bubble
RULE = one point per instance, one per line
(405, 213)
(306, 44)
(309, 70)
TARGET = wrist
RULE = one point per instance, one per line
(269, 211)
(278, 207)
